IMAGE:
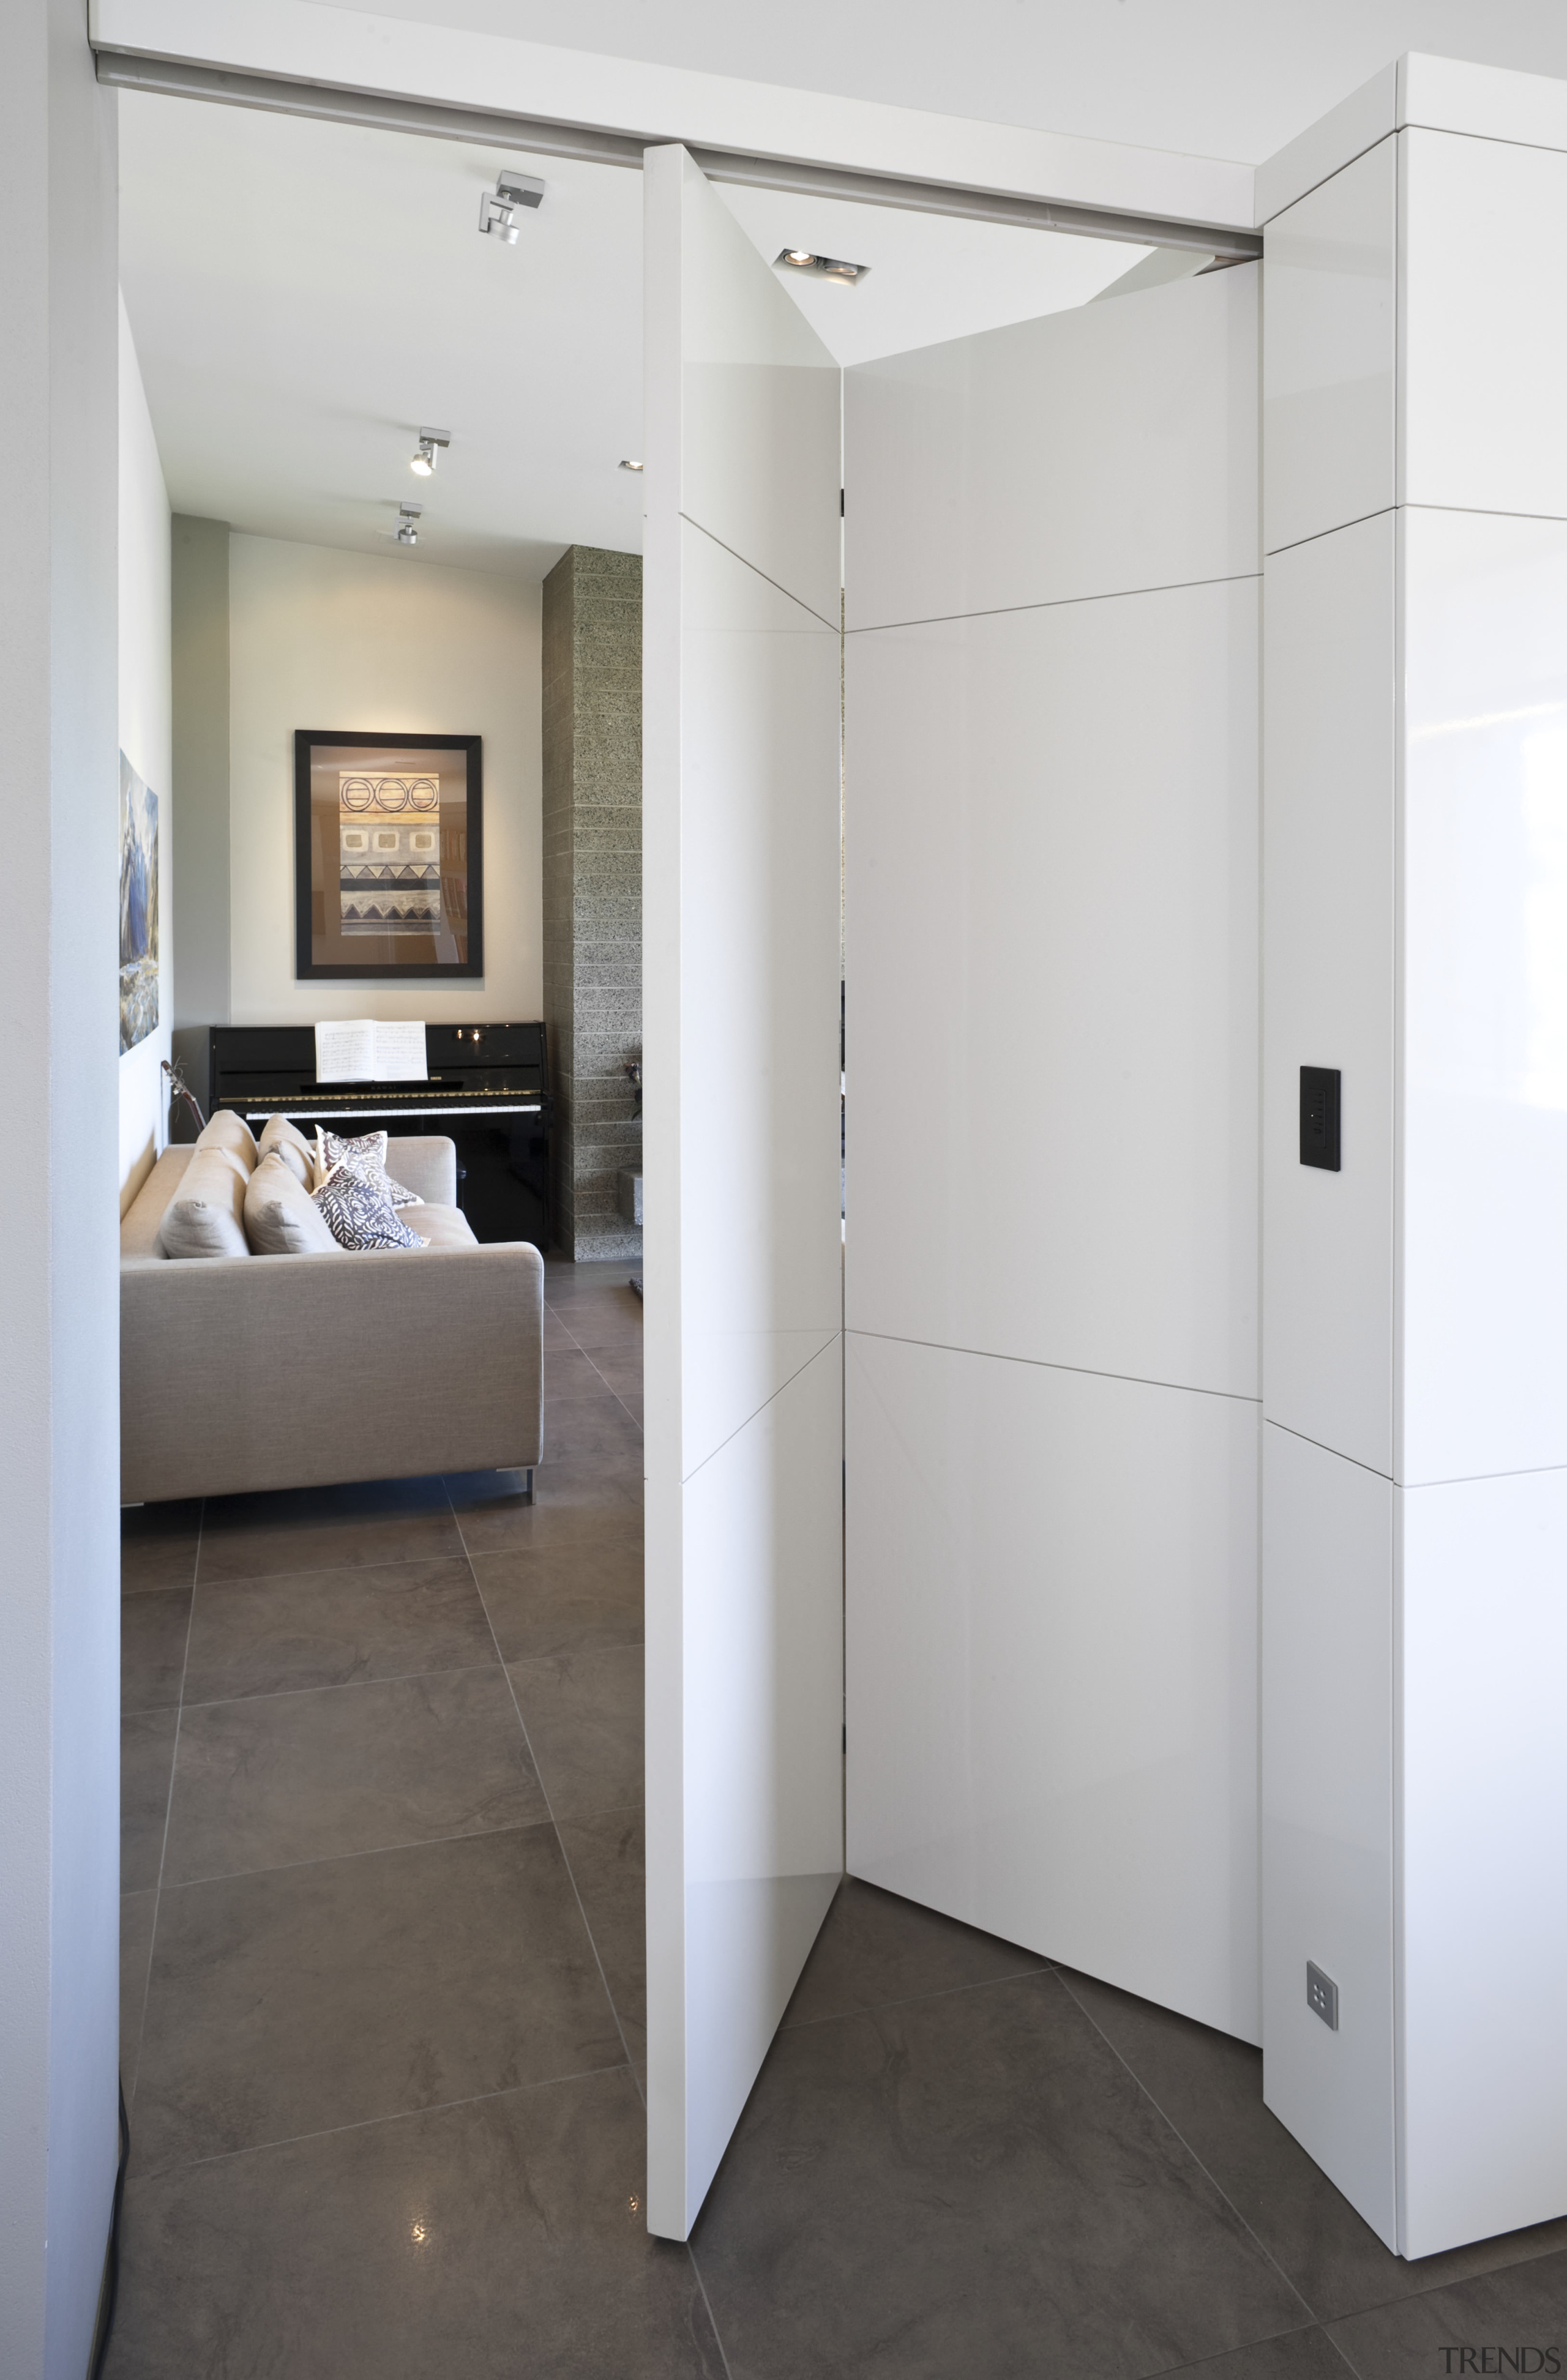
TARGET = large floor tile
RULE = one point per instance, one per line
(570, 1377)
(154, 1629)
(971, 2183)
(1210, 2087)
(875, 1947)
(583, 1712)
(1523, 2307)
(136, 1913)
(606, 1472)
(326, 1528)
(560, 1600)
(304, 1997)
(282, 1777)
(333, 1627)
(495, 1517)
(621, 1370)
(486, 2243)
(158, 1545)
(146, 1766)
(601, 1330)
(608, 1865)
(1299, 2355)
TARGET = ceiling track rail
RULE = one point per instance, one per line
(536, 137)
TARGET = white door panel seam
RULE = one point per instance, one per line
(735, 556)
(1053, 603)
(825, 1348)
(1477, 512)
(1047, 1363)
(1293, 545)
(1322, 1444)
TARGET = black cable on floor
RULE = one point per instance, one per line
(110, 2295)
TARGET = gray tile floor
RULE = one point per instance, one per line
(382, 1957)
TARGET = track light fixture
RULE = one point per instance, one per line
(826, 268)
(428, 453)
(408, 518)
(498, 208)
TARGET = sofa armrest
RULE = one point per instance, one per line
(427, 1166)
(242, 1373)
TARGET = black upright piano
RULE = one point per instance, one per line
(486, 1090)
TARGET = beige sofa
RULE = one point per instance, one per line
(296, 1371)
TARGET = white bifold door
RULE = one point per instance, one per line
(1050, 1353)
(1051, 934)
(743, 1252)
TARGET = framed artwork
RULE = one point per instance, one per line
(139, 909)
(388, 857)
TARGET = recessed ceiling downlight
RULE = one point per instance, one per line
(826, 268)
(628, 465)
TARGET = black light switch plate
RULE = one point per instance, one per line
(1320, 1117)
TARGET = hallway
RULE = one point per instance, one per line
(383, 2004)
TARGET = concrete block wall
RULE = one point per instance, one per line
(593, 888)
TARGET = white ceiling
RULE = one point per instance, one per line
(304, 295)
(1213, 78)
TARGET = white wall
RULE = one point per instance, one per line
(144, 715)
(1050, 1259)
(59, 1409)
(325, 639)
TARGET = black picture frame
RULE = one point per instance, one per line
(420, 967)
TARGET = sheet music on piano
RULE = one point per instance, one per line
(365, 1049)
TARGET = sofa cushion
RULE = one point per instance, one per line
(205, 1216)
(227, 1130)
(361, 1214)
(296, 1152)
(143, 1217)
(280, 1218)
(445, 1227)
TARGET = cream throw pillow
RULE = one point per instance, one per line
(205, 1217)
(290, 1144)
(280, 1218)
(227, 1130)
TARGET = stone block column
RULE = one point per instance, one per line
(593, 890)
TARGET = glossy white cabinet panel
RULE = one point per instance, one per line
(745, 1770)
(743, 1251)
(1492, 102)
(761, 1248)
(1327, 976)
(1485, 1849)
(1052, 1664)
(1329, 353)
(1485, 338)
(761, 407)
(1051, 934)
(1485, 1241)
(1326, 147)
(1328, 1651)
(1096, 451)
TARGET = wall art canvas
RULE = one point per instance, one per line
(388, 855)
(139, 908)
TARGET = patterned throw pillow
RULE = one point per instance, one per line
(367, 1157)
(359, 1215)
